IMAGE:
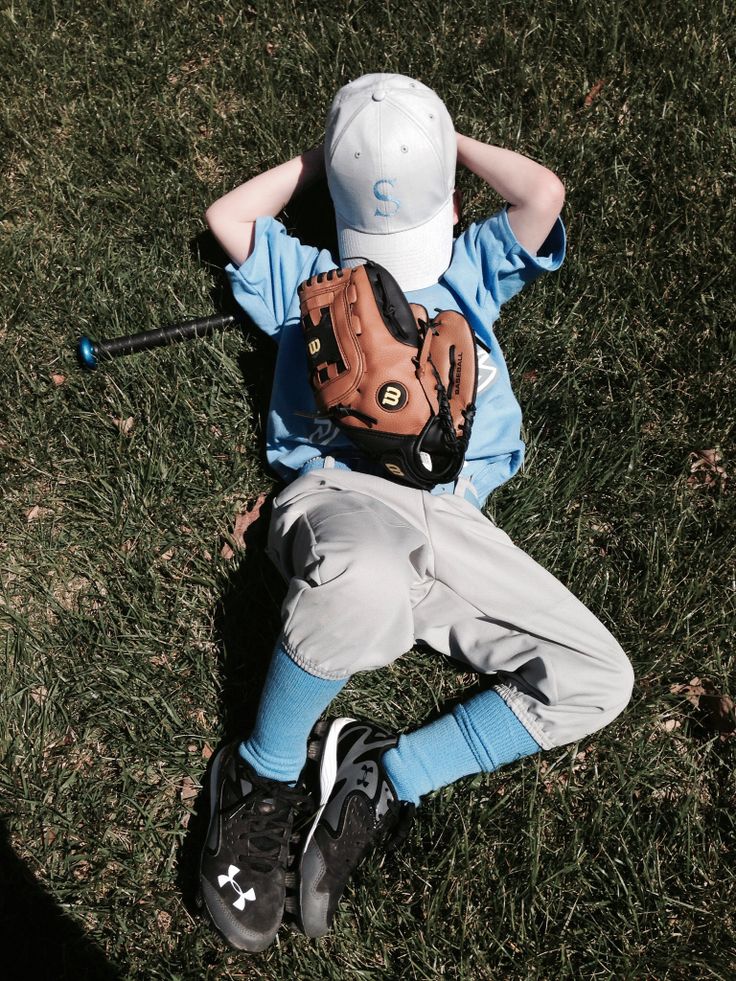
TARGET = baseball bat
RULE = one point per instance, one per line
(90, 352)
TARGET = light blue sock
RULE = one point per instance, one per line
(292, 701)
(477, 737)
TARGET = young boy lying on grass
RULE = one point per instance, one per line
(374, 565)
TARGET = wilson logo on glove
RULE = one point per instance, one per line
(402, 385)
(392, 396)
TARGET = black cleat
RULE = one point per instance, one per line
(244, 860)
(358, 805)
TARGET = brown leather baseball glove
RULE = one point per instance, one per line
(402, 385)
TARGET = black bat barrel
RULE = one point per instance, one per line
(91, 353)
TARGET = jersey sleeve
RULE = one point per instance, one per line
(496, 264)
(265, 284)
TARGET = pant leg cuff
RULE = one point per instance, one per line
(515, 702)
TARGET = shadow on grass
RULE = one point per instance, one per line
(310, 216)
(247, 623)
(247, 618)
(45, 943)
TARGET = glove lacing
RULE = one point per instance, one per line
(452, 441)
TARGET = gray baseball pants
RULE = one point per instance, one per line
(373, 566)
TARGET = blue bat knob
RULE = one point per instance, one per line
(87, 353)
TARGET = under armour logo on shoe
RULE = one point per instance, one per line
(250, 895)
(366, 770)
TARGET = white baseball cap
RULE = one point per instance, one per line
(390, 154)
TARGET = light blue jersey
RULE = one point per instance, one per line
(488, 267)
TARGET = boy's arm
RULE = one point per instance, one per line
(232, 218)
(535, 195)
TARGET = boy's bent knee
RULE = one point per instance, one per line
(620, 684)
(349, 611)
(588, 697)
(607, 693)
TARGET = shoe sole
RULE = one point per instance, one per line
(213, 795)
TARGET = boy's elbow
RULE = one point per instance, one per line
(211, 217)
(550, 194)
(237, 238)
(559, 192)
(533, 218)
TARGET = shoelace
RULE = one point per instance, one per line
(266, 820)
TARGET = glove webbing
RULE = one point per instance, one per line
(451, 439)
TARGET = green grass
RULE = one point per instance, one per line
(132, 647)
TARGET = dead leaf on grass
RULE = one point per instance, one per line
(594, 93)
(36, 512)
(188, 790)
(57, 378)
(706, 471)
(692, 690)
(199, 717)
(207, 751)
(82, 870)
(124, 425)
(715, 711)
(68, 739)
(163, 919)
(662, 726)
(243, 521)
(717, 714)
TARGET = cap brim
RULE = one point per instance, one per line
(415, 257)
